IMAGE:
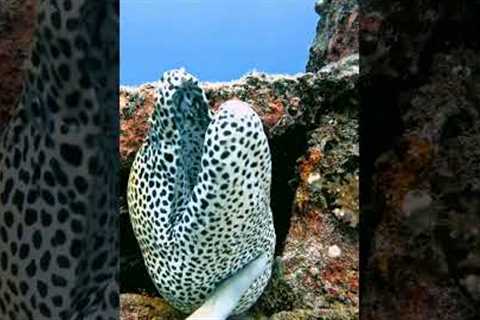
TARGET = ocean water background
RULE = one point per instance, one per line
(216, 40)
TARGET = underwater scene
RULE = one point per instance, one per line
(239, 160)
(201, 160)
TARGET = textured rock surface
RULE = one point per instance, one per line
(142, 307)
(16, 30)
(427, 236)
(321, 249)
(311, 122)
(337, 32)
(420, 169)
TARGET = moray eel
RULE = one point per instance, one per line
(199, 198)
(59, 240)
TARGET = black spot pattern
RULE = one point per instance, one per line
(199, 211)
(58, 171)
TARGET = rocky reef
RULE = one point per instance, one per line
(337, 32)
(419, 165)
(16, 31)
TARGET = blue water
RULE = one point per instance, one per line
(216, 40)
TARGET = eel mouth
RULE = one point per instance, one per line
(191, 117)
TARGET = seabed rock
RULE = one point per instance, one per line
(337, 32)
(142, 307)
(420, 77)
(16, 32)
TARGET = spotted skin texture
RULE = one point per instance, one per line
(58, 159)
(199, 194)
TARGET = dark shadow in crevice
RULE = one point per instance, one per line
(380, 126)
(285, 148)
